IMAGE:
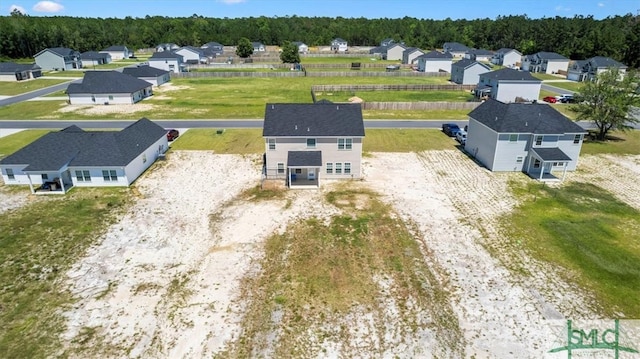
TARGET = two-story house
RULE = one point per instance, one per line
(167, 60)
(167, 46)
(339, 45)
(193, 55)
(545, 62)
(307, 142)
(118, 52)
(456, 49)
(530, 137)
(395, 51)
(302, 47)
(410, 55)
(479, 55)
(587, 70)
(507, 57)
(434, 61)
(216, 47)
(467, 72)
(258, 46)
(508, 85)
(58, 59)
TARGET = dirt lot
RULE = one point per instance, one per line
(164, 281)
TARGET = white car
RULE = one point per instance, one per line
(461, 136)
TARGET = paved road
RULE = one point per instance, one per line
(558, 90)
(37, 93)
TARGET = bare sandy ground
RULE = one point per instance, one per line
(10, 199)
(164, 281)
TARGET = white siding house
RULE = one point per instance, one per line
(508, 85)
(434, 61)
(339, 45)
(395, 51)
(588, 70)
(507, 57)
(118, 52)
(168, 61)
(467, 72)
(307, 142)
(545, 62)
(60, 160)
(154, 76)
(108, 87)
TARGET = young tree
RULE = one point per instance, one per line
(245, 48)
(608, 101)
(289, 54)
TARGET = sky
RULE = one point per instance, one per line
(422, 9)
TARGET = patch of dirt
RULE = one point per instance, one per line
(107, 109)
(10, 199)
(166, 87)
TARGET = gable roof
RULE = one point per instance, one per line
(256, 44)
(12, 67)
(505, 50)
(338, 40)
(507, 74)
(455, 46)
(466, 63)
(75, 147)
(411, 50)
(437, 55)
(60, 51)
(379, 50)
(144, 71)
(196, 50)
(311, 120)
(107, 82)
(212, 44)
(94, 55)
(602, 61)
(535, 118)
(398, 45)
(550, 56)
(116, 48)
(166, 55)
(480, 52)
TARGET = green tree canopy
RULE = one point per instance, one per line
(289, 54)
(607, 101)
(245, 48)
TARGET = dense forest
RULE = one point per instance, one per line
(579, 37)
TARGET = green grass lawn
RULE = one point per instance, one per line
(74, 73)
(406, 140)
(398, 96)
(541, 76)
(233, 141)
(345, 60)
(587, 231)
(16, 88)
(571, 86)
(619, 143)
(12, 143)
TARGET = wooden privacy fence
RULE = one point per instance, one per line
(306, 73)
(237, 74)
(422, 87)
(416, 106)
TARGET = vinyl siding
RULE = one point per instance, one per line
(481, 143)
(507, 152)
(136, 167)
(508, 91)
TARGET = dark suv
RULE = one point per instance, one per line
(172, 134)
(450, 129)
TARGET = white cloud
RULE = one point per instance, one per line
(560, 8)
(231, 2)
(17, 7)
(600, 4)
(48, 6)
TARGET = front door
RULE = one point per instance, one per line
(311, 174)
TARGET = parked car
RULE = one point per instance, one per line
(450, 129)
(461, 136)
(565, 98)
(172, 134)
(550, 99)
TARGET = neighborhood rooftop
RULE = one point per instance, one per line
(107, 82)
(144, 71)
(464, 63)
(510, 74)
(296, 120)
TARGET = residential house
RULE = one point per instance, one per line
(545, 62)
(118, 52)
(339, 45)
(434, 61)
(169, 46)
(108, 87)
(10, 71)
(58, 59)
(381, 51)
(258, 47)
(530, 137)
(93, 58)
(167, 60)
(467, 72)
(302, 47)
(154, 76)
(395, 52)
(58, 161)
(507, 57)
(387, 42)
(508, 85)
(307, 142)
(479, 55)
(411, 54)
(587, 70)
(216, 47)
(193, 55)
(456, 49)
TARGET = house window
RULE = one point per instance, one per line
(10, 174)
(311, 143)
(280, 168)
(272, 143)
(576, 139)
(298, 171)
(513, 138)
(93, 98)
(110, 97)
(329, 168)
(83, 176)
(109, 175)
(44, 176)
(536, 163)
(519, 159)
(347, 168)
(345, 143)
(538, 140)
(144, 158)
(338, 168)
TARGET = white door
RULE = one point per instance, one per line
(311, 174)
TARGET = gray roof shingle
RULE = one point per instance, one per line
(144, 71)
(551, 56)
(93, 55)
(437, 55)
(304, 159)
(507, 74)
(107, 82)
(11, 67)
(455, 46)
(116, 48)
(607, 62)
(75, 147)
(535, 118)
(551, 154)
(313, 120)
(166, 55)
(466, 63)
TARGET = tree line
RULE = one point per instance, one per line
(579, 37)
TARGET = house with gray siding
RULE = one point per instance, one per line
(588, 70)
(108, 87)
(216, 47)
(10, 71)
(194, 55)
(545, 62)
(479, 55)
(395, 51)
(72, 157)
(411, 54)
(530, 137)
(434, 61)
(93, 58)
(387, 42)
(507, 57)
(168, 46)
(118, 52)
(467, 72)
(58, 59)
(154, 76)
(508, 85)
(167, 60)
(456, 49)
(308, 142)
